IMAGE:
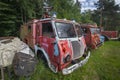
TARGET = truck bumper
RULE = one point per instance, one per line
(70, 69)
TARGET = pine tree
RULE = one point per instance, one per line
(13, 13)
(107, 12)
(7, 19)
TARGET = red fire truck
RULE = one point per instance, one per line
(110, 34)
(92, 35)
(57, 41)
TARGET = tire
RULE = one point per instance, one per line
(106, 38)
(41, 57)
(119, 39)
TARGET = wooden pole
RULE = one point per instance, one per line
(101, 15)
(2, 72)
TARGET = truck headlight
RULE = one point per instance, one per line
(67, 58)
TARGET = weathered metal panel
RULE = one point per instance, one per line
(23, 31)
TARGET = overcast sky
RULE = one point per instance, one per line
(89, 4)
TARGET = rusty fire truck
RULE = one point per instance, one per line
(110, 35)
(92, 35)
(57, 40)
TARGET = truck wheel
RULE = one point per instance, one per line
(41, 56)
(106, 38)
(86, 53)
(119, 39)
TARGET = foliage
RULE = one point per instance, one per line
(107, 12)
(7, 19)
(86, 17)
(13, 13)
(66, 9)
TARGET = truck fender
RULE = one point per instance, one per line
(106, 37)
(47, 58)
(43, 51)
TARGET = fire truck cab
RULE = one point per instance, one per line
(92, 35)
(57, 40)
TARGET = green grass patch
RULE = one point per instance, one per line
(103, 65)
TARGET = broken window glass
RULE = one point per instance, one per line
(65, 30)
(94, 30)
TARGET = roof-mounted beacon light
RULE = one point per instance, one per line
(65, 19)
(73, 21)
(54, 15)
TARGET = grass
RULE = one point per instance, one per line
(103, 65)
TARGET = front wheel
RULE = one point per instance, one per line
(106, 38)
(41, 57)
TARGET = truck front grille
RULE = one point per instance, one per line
(76, 49)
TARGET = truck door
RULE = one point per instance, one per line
(87, 35)
(81, 39)
(48, 39)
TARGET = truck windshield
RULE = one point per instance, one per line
(95, 30)
(65, 30)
